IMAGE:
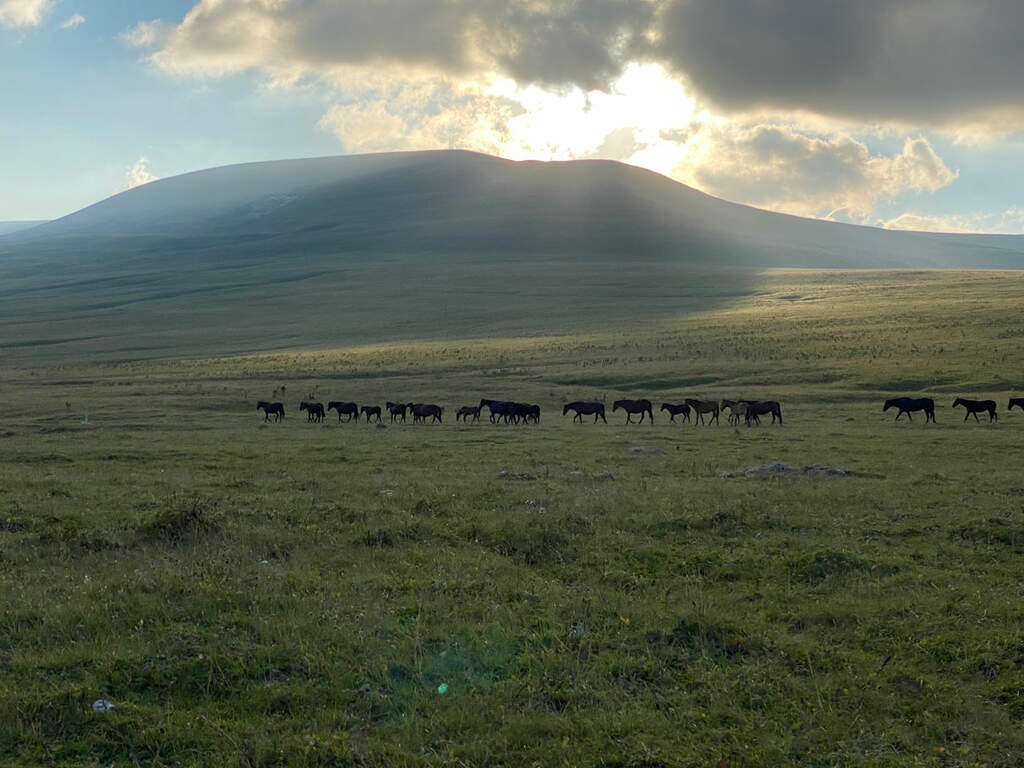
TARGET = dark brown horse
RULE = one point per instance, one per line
(585, 409)
(467, 411)
(275, 409)
(974, 407)
(912, 404)
(370, 411)
(314, 411)
(700, 407)
(528, 413)
(643, 407)
(348, 409)
(500, 409)
(760, 408)
(422, 411)
(396, 410)
(675, 410)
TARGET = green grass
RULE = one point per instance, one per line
(295, 594)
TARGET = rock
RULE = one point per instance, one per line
(102, 705)
(640, 450)
(606, 475)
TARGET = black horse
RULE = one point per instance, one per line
(675, 410)
(500, 409)
(909, 404)
(527, 413)
(348, 409)
(700, 407)
(974, 407)
(586, 409)
(422, 411)
(277, 409)
(371, 411)
(1018, 401)
(314, 411)
(396, 410)
(466, 412)
(757, 408)
(643, 407)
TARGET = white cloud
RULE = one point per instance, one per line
(24, 13)
(778, 167)
(1010, 221)
(147, 34)
(76, 20)
(138, 174)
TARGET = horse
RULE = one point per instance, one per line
(585, 409)
(528, 413)
(908, 404)
(370, 411)
(505, 409)
(737, 409)
(314, 411)
(277, 409)
(467, 411)
(348, 409)
(1018, 401)
(675, 410)
(396, 410)
(757, 408)
(420, 412)
(974, 407)
(700, 407)
(643, 407)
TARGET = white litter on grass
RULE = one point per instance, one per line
(102, 705)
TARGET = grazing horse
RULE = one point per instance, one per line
(277, 409)
(675, 410)
(1018, 401)
(420, 412)
(737, 410)
(760, 408)
(499, 409)
(643, 407)
(396, 410)
(974, 407)
(348, 409)
(467, 411)
(700, 407)
(371, 411)
(314, 411)
(585, 409)
(908, 404)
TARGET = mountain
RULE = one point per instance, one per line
(365, 248)
(7, 227)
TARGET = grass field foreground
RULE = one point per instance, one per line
(294, 594)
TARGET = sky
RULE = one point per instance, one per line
(895, 113)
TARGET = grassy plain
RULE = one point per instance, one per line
(295, 594)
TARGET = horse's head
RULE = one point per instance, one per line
(889, 404)
(959, 401)
(618, 404)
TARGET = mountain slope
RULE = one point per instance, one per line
(364, 248)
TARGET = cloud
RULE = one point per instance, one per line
(1010, 221)
(76, 20)
(778, 167)
(551, 42)
(24, 13)
(147, 34)
(138, 174)
(937, 62)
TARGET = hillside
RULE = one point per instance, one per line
(354, 249)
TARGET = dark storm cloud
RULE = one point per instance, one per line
(936, 61)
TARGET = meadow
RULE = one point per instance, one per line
(294, 594)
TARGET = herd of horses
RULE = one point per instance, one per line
(512, 412)
(911, 405)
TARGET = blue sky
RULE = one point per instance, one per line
(874, 126)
